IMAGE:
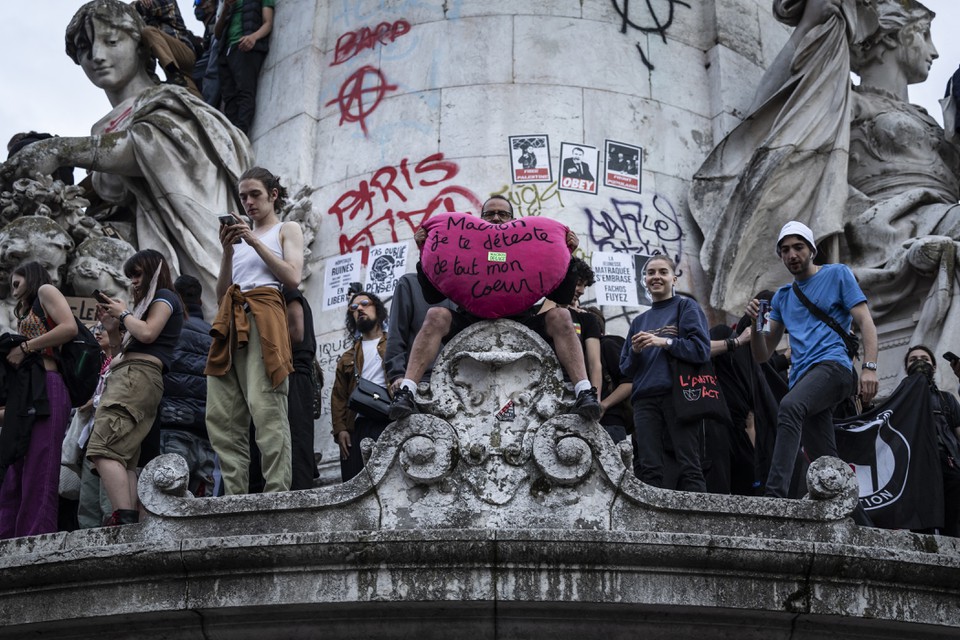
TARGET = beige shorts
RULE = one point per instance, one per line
(127, 411)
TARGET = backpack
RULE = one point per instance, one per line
(79, 360)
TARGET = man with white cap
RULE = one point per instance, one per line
(822, 374)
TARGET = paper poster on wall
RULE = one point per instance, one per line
(340, 272)
(643, 296)
(623, 165)
(385, 265)
(577, 165)
(530, 158)
(616, 278)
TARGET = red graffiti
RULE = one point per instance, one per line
(351, 100)
(353, 42)
(376, 202)
(704, 379)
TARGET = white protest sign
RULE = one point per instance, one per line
(340, 272)
(616, 278)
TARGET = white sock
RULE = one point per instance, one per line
(409, 385)
(583, 385)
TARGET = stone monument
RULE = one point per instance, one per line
(161, 151)
(871, 174)
(495, 514)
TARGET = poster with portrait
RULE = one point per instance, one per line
(530, 158)
(385, 264)
(339, 273)
(578, 166)
(643, 296)
(623, 165)
(616, 278)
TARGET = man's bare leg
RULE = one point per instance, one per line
(566, 344)
(426, 346)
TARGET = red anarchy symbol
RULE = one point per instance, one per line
(351, 99)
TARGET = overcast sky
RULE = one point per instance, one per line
(43, 90)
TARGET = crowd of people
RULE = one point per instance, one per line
(169, 382)
(236, 397)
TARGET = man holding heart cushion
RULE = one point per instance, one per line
(505, 240)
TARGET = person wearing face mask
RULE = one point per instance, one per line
(946, 419)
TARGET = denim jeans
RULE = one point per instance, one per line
(806, 414)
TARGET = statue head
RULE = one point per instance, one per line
(81, 32)
(904, 27)
(98, 264)
(34, 238)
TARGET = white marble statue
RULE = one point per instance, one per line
(871, 174)
(167, 154)
(98, 264)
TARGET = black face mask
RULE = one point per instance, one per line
(921, 366)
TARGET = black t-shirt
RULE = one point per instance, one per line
(162, 348)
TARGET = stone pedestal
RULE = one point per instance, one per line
(463, 525)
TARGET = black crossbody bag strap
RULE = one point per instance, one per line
(822, 316)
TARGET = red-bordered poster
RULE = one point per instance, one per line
(623, 164)
(530, 158)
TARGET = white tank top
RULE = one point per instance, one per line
(249, 269)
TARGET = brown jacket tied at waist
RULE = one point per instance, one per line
(231, 330)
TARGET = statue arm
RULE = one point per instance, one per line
(805, 15)
(109, 153)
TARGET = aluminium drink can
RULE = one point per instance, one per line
(763, 317)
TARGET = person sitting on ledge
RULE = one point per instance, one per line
(441, 324)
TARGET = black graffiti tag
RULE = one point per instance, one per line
(661, 15)
(630, 228)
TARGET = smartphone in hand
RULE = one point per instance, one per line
(229, 221)
(950, 357)
(100, 296)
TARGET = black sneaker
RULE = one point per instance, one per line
(403, 405)
(587, 406)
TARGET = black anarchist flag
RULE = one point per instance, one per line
(893, 450)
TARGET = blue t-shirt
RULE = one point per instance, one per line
(834, 289)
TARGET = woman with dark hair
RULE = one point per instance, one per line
(250, 358)
(673, 327)
(134, 384)
(31, 454)
(365, 324)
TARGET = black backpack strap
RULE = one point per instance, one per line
(822, 316)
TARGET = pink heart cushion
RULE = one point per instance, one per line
(494, 270)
